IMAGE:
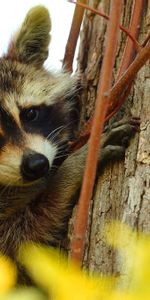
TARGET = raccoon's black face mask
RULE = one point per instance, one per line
(35, 123)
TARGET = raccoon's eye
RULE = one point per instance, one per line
(30, 114)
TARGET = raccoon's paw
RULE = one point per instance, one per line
(121, 132)
(116, 139)
(111, 152)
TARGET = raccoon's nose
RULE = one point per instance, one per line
(34, 166)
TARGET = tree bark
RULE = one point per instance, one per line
(122, 192)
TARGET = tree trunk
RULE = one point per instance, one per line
(122, 192)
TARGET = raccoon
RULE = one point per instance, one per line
(38, 177)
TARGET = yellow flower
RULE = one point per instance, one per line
(23, 294)
(134, 248)
(63, 280)
(7, 274)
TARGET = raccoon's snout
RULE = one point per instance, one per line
(34, 166)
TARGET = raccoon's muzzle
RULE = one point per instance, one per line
(34, 166)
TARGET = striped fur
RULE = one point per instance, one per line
(31, 210)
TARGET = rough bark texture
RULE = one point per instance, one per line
(122, 192)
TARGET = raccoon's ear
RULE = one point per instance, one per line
(30, 44)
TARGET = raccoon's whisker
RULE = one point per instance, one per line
(55, 130)
(62, 151)
(60, 147)
(76, 92)
(61, 156)
(5, 188)
(9, 187)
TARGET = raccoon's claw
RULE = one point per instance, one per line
(132, 121)
(116, 139)
(121, 132)
(136, 123)
(111, 152)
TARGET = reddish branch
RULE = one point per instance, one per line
(118, 90)
(97, 12)
(73, 37)
(75, 29)
(129, 50)
(129, 75)
(78, 241)
(146, 40)
(127, 58)
(128, 55)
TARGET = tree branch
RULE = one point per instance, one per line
(125, 30)
(78, 240)
(73, 37)
(117, 91)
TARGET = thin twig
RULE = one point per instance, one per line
(129, 50)
(128, 55)
(78, 240)
(146, 40)
(119, 103)
(98, 12)
(127, 58)
(120, 88)
(73, 37)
